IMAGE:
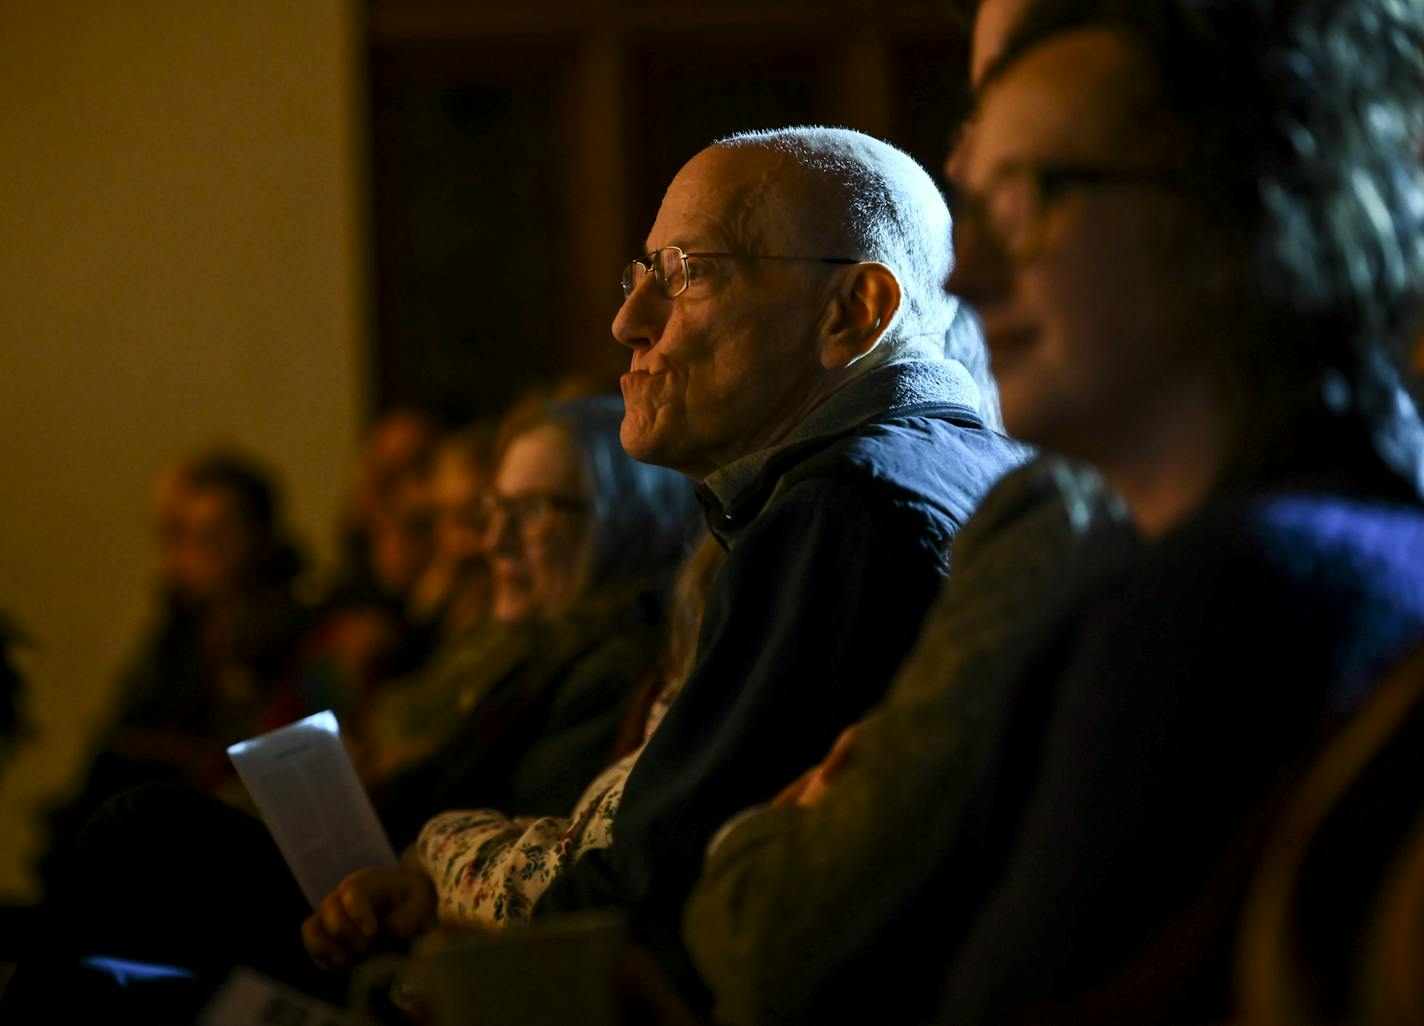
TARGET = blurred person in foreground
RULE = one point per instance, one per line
(1197, 267)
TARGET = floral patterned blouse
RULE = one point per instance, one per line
(489, 870)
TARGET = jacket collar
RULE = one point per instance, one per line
(731, 496)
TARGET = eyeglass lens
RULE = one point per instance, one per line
(526, 513)
(669, 268)
(1010, 210)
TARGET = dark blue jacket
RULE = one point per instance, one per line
(837, 549)
(1148, 742)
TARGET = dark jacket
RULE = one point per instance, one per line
(773, 923)
(1082, 862)
(1149, 742)
(837, 546)
(544, 729)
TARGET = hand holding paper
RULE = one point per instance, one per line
(369, 906)
(303, 783)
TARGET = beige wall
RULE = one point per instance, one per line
(180, 262)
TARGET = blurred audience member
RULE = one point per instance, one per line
(488, 868)
(453, 593)
(582, 544)
(586, 544)
(230, 616)
(364, 632)
(404, 721)
(218, 653)
(395, 464)
(485, 868)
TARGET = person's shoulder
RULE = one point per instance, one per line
(1358, 557)
(913, 436)
(1045, 523)
(1304, 535)
(941, 461)
(1047, 494)
(1331, 579)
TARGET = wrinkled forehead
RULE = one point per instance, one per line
(1089, 94)
(744, 199)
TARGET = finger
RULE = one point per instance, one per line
(414, 912)
(357, 903)
(337, 924)
(325, 954)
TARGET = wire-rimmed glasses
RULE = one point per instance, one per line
(671, 273)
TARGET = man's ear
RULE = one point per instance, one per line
(857, 314)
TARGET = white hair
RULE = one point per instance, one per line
(882, 206)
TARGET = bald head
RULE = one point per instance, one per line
(836, 192)
(781, 266)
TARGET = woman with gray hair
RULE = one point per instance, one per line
(583, 544)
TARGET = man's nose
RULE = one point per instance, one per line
(956, 164)
(640, 320)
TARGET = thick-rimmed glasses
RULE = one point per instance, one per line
(1012, 206)
(671, 272)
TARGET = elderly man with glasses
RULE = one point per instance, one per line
(788, 333)
(793, 352)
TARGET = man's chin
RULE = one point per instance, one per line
(651, 448)
(639, 439)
